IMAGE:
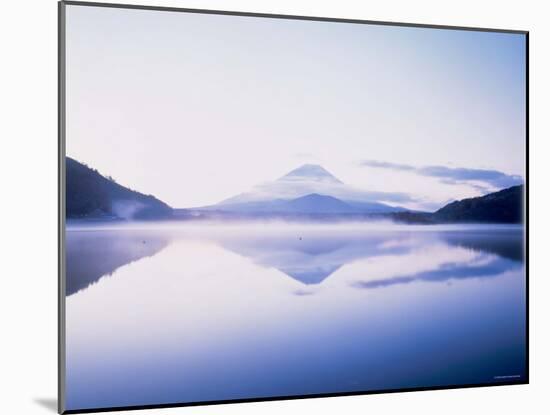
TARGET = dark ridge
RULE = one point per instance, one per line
(504, 206)
(91, 195)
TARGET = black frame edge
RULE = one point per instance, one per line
(61, 207)
(527, 296)
(289, 17)
(287, 398)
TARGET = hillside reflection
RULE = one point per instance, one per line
(91, 255)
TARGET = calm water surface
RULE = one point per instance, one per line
(195, 314)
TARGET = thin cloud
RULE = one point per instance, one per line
(454, 175)
(387, 165)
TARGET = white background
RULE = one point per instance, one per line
(28, 231)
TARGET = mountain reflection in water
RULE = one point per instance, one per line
(309, 258)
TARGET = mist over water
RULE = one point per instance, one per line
(180, 312)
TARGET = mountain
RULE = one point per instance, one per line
(311, 172)
(309, 188)
(91, 195)
(315, 203)
(312, 203)
(504, 206)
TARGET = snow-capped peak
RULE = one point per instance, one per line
(310, 172)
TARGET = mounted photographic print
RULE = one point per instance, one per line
(259, 207)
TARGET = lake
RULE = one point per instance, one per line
(164, 313)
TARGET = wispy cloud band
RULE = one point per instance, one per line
(453, 175)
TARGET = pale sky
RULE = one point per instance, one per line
(197, 108)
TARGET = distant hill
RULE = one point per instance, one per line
(504, 206)
(313, 203)
(91, 195)
(374, 207)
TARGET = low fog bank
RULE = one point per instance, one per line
(276, 226)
